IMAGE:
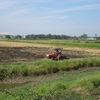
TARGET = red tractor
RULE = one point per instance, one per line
(57, 55)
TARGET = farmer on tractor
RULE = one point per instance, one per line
(57, 51)
(58, 54)
(55, 55)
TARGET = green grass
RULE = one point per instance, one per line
(68, 43)
(72, 86)
(45, 66)
(80, 86)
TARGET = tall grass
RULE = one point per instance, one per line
(46, 66)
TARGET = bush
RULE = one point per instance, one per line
(3, 73)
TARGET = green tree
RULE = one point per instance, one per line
(8, 36)
(18, 36)
(84, 36)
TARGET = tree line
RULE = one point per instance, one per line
(48, 36)
(51, 36)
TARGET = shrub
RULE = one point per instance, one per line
(3, 73)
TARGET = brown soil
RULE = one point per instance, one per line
(10, 54)
(15, 51)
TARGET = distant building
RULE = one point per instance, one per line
(91, 38)
(23, 36)
(3, 35)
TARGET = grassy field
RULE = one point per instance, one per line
(73, 86)
(71, 79)
(67, 43)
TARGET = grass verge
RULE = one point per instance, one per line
(81, 86)
(45, 66)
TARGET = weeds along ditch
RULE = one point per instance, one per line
(81, 86)
(45, 66)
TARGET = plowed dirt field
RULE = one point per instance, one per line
(15, 51)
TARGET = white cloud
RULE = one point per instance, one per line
(17, 13)
(78, 8)
(48, 17)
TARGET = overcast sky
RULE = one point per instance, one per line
(69, 17)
